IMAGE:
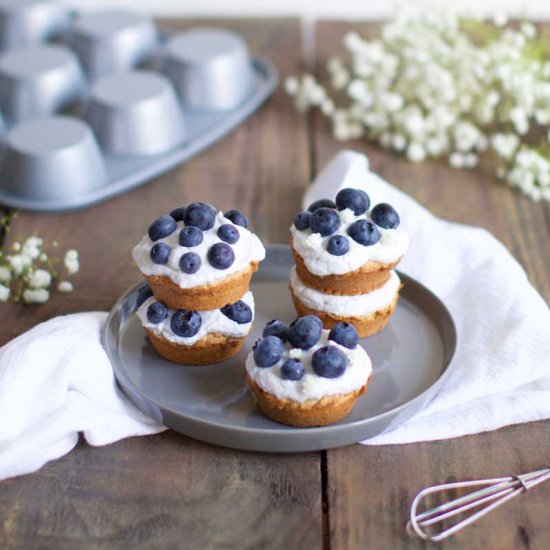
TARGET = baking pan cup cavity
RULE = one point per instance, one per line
(51, 157)
(39, 80)
(210, 68)
(135, 113)
(26, 22)
(112, 41)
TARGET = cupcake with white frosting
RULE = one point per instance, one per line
(197, 258)
(197, 337)
(345, 254)
(303, 375)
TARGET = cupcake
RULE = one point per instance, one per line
(197, 337)
(199, 259)
(303, 375)
(345, 255)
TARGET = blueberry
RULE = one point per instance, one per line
(321, 203)
(354, 199)
(190, 236)
(239, 312)
(344, 334)
(305, 332)
(190, 263)
(292, 369)
(186, 323)
(276, 328)
(156, 313)
(144, 293)
(364, 232)
(337, 245)
(237, 217)
(301, 221)
(178, 213)
(200, 214)
(324, 221)
(228, 233)
(268, 351)
(162, 227)
(159, 253)
(221, 256)
(385, 216)
(329, 362)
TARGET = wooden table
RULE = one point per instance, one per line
(171, 491)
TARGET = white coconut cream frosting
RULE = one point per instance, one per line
(312, 386)
(361, 305)
(247, 249)
(311, 247)
(213, 322)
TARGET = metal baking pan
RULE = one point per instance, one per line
(410, 357)
(93, 105)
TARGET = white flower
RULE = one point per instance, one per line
(4, 293)
(456, 160)
(500, 19)
(16, 246)
(32, 247)
(505, 144)
(71, 262)
(528, 29)
(518, 117)
(5, 274)
(39, 278)
(43, 257)
(65, 287)
(36, 295)
(291, 85)
(19, 263)
(399, 142)
(415, 152)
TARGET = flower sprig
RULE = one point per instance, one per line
(436, 85)
(28, 273)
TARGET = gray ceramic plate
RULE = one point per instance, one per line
(213, 404)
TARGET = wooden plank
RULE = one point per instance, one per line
(369, 489)
(167, 490)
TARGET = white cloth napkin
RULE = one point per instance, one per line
(500, 374)
(56, 381)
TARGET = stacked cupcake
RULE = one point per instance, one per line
(345, 254)
(302, 375)
(197, 308)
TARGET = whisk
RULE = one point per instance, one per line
(496, 491)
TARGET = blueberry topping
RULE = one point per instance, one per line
(324, 221)
(305, 332)
(364, 232)
(301, 221)
(237, 217)
(200, 214)
(144, 293)
(159, 253)
(228, 233)
(190, 236)
(385, 216)
(292, 369)
(186, 323)
(268, 351)
(354, 199)
(321, 203)
(178, 213)
(337, 245)
(329, 362)
(276, 328)
(221, 256)
(156, 313)
(239, 312)
(344, 334)
(162, 227)
(190, 263)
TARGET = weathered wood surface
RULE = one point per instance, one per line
(171, 491)
(370, 488)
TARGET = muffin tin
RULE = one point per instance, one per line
(95, 104)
